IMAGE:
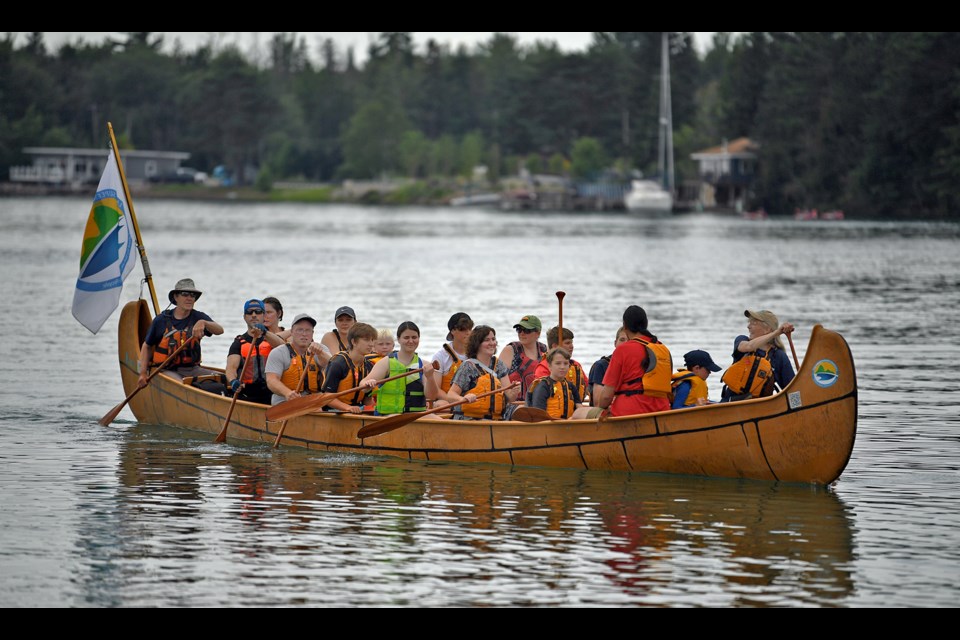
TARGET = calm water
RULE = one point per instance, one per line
(141, 515)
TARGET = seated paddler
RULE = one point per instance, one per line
(404, 395)
(294, 369)
(171, 329)
(249, 379)
(348, 368)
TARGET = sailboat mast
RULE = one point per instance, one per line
(665, 142)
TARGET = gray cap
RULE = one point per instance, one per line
(344, 311)
(305, 316)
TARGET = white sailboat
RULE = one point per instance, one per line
(652, 196)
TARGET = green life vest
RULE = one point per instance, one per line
(403, 395)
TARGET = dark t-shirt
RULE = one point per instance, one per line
(162, 322)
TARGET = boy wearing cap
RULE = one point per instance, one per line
(336, 340)
(286, 364)
(451, 354)
(524, 354)
(257, 340)
(690, 383)
(172, 328)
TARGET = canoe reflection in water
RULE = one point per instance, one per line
(363, 524)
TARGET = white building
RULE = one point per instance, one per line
(67, 166)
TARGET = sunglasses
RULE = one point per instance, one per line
(251, 312)
(523, 330)
(191, 294)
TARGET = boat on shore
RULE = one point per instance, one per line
(804, 434)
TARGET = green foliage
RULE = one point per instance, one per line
(866, 121)
(588, 158)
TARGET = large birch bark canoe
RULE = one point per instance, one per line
(804, 434)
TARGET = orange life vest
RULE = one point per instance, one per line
(291, 377)
(171, 341)
(563, 397)
(447, 379)
(657, 381)
(356, 373)
(698, 386)
(491, 407)
(750, 374)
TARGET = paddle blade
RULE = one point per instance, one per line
(387, 424)
(111, 415)
(530, 414)
(299, 406)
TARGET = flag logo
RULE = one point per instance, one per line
(106, 254)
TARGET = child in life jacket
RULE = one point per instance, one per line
(554, 393)
(690, 383)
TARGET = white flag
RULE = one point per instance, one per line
(107, 256)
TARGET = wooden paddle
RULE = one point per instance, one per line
(283, 425)
(560, 295)
(402, 419)
(113, 413)
(251, 356)
(306, 404)
(790, 340)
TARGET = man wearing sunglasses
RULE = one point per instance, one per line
(172, 328)
(250, 381)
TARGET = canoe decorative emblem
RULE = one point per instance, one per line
(825, 373)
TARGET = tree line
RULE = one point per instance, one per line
(867, 122)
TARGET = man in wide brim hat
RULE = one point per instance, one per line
(173, 328)
(185, 284)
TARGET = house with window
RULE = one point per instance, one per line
(727, 173)
(63, 166)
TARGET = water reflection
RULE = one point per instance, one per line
(294, 527)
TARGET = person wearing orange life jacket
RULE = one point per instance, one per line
(599, 368)
(690, 383)
(524, 354)
(638, 379)
(763, 348)
(348, 368)
(554, 393)
(259, 341)
(452, 354)
(171, 329)
(482, 371)
(575, 373)
(286, 363)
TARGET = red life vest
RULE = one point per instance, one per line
(525, 370)
(256, 370)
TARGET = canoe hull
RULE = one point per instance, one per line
(805, 434)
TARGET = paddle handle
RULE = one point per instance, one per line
(252, 354)
(385, 425)
(560, 295)
(111, 415)
(793, 349)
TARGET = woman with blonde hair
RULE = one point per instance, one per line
(759, 361)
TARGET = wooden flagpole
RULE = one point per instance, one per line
(136, 227)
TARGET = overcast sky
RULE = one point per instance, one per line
(359, 40)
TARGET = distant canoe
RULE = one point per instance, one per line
(804, 434)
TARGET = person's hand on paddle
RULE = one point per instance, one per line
(786, 327)
(235, 385)
(142, 380)
(470, 397)
(368, 383)
(198, 328)
(292, 395)
(259, 330)
(354, 409)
